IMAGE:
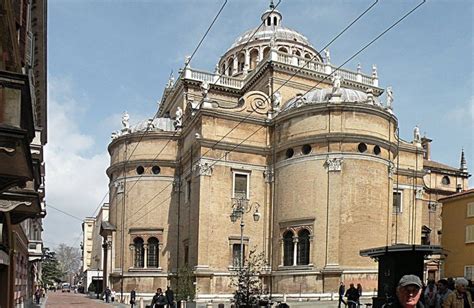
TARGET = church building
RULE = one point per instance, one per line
(277, 151)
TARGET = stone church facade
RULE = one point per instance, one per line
(279, 134)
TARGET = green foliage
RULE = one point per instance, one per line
(51, 269)
(185, 289)
(247, 281)
(91, 287)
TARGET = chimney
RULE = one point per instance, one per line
(426, 144)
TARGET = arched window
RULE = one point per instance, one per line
(303, 247)
(283, 49)
(275, 21)
(253, 58)
(153, 257)
(266, 51)
(230, 65)
(269, 21)
(241, 59)
(288, 248)
(139, 252)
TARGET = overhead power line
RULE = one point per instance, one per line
(65, 213)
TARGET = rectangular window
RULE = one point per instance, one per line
(188, 190)
(469, 272)
(241, 185)
(470, 234)
(397, 202)
(186, 254)
(470, 209)
(236, 255)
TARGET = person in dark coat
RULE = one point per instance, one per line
(159, 300)
(342, 291)
(107, 295)
(133, 298)
(352, 296)
(169, 294)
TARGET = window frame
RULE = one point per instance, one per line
(469, 232)
(156, 253)
(299, 251)
(245, 173)
(470, 209)
(399, 191)
(288, 253)
(466, 270)
(138, 252)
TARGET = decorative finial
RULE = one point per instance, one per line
(359, 68)
(327, 55)
(389, 98)
(463, 161)
(272, 6)
(374, 71)
(416, 135)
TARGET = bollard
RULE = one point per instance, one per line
(141, 302)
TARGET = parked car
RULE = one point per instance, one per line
(65, 287)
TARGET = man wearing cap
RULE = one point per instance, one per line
(460, 298)
(409, 292)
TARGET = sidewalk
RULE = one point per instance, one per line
(42, 302)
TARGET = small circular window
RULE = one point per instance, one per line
(289, 153)
(156, 170)
(140, 169)
(362, 147)
(306, 149)
(376, 150)
(445, 180)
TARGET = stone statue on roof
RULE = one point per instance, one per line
(125, 121)
(389, 98)
(327, 55)
(416, 135)
(276, 101)
(336, 84)
(178, 122)
(204, 89)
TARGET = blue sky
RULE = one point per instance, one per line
(105, 57)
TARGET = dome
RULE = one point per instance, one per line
(267, 32)
(324, 95)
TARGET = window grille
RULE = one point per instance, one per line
(139, 253)
(303, 247)
(288, 248)
(153, 250)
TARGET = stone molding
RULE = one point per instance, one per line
(325, 156)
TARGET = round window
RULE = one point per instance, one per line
(140, 169)
(445, 180)
(156, 170)
(289, 153)
(376, 150)
(306, 149)
(362, 147)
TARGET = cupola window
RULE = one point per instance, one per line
(306, 149)
(376, 150)
(445, 180)
(362, 147)
(140, 170)
(289, 153)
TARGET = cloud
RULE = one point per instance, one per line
(75, 181)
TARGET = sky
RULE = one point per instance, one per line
(106, 57)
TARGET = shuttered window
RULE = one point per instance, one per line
(470, 234)
(470, 209)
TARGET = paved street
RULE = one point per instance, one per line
(59, 300)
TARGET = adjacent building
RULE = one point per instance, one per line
(276, 151)
(458, 234)
(23, 134)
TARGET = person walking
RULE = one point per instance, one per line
(133, 298)
(107, 295)
(443, 292)
(352, 296)
(342, 291)
(159, 300)
(359, 291)
(37, 295)
(460, 297)
(169, 294)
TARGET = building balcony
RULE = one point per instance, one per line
(35, 250)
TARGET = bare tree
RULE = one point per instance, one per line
(69, 259)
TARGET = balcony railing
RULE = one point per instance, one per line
(276, 56)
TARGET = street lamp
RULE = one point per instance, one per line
(240, 206)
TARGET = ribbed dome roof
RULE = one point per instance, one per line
(324, 95)
(267, 32)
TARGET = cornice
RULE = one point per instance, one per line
(145, 135)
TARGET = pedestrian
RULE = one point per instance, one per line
(460, 298)
(159, 300)
(409, 291)
(443, 292)
(430, 294)
(359, 291)
(133, 296)
(112, 295)
(107, 295)
(169, 294)
(37, 295)
(342, 291)
(352, 296)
